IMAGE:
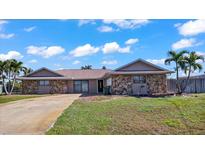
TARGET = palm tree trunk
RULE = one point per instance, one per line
(187, 79)
(5, 87)
(9, 86)
(177, 79)
(14, 81)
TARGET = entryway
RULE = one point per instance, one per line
(100, 86)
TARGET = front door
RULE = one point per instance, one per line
(100, 86)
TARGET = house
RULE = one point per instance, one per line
(136, 78)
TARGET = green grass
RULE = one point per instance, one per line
(9, 98)
(131, 115)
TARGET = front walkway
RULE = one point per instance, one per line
(33, 116)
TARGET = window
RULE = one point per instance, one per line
(43, 83)
(84, 86)
(77, 86)
(139, 79)
(81, 86)
(109, 81)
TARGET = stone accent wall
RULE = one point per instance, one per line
(29, 86)
(58, 86)
(122, 84)
(55, 87)
(156, 84)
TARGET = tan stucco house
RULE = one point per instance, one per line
(136, 78)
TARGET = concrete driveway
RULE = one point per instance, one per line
(33, 116)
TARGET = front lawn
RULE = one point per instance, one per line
(9, 98)
(131, 115)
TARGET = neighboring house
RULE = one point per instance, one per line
(136, 78)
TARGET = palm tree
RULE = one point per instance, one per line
(26, 71)
(5, 73)
(86, 67)
(2, 72)
(191, 65)
(11, 69)
(178, 59)
(104, 68)
(16, 67)
(1, 69)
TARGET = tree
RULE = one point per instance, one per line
(104, 68)
(86, 67)
(1, 69)
(11, 68)
(191, 65)
(2, 74)
(178, 59)
(26, 71)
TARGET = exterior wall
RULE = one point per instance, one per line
(29, 87)
(70, 86)
(139, 66)
(157, 84)
(55, 87)
(92, 86)
(58, 86)
(122, 84)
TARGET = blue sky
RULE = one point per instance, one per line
(58, 44)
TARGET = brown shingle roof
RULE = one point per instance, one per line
(83, 74)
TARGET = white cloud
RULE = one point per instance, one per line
(61, 68)
(29, 29)
(106, 29)
(58, 65)
(156, 61)
(109, 62)
(84, 50)
(11, 55)
(76, 62)
(33, 61)
(126, 24)
(192, 27)
(2, 22)
(6, 36)
(85, 21)
(177, 24)
(132, 41)
(114, 47)
(185, 43)
(44, 51)
(201, 53)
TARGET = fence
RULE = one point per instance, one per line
(196, 85)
